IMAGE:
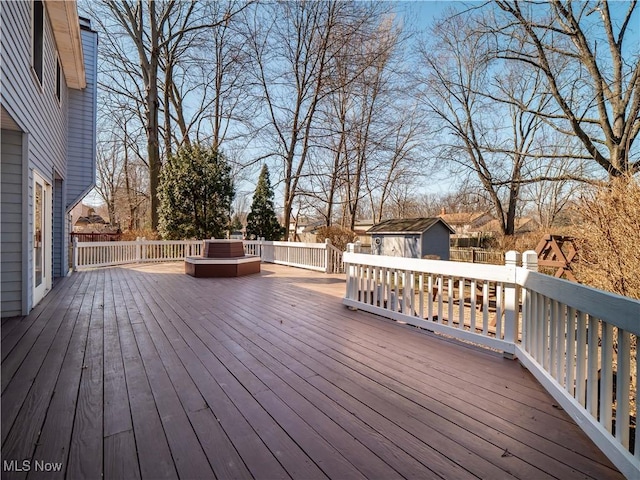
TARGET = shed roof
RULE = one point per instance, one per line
(408, 225)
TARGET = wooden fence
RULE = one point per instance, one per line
(96, 237)
(574, 339)
(476, 255)
(322, 257)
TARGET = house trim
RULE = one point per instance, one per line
(57, 79)
(39, 80)
(66, 32)
(26, 182)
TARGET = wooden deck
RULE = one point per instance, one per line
(143, 371)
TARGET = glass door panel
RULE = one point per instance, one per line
(38, 227)
(42, 238)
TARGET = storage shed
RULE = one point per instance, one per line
(411, 238)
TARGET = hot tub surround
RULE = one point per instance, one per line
(222, 258)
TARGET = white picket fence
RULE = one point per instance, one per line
(574, 339)
(322, 257)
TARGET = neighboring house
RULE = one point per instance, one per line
(468, 227)
(522, 225)
(81, 210)
(48, 141)
(305, 230)
(361, 228)
(411, 238)
(93, 223)
(85, 219)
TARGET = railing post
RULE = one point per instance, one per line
(350, 273)
(511, 303)
(143, 251)
(530, 262)
(138, 254)
(328, 267)
(75, 254)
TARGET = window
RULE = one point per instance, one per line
(58, 79)
(38, 29)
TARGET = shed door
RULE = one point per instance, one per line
(394, 246)
(411, 247)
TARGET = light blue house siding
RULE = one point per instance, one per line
(11, 221)
(36, 139)
(81, 174)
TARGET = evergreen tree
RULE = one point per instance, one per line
(195, 194)
(236, 224)
(262, 220)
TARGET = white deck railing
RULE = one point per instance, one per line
(104, 254)
(322, 257)
(577, 341)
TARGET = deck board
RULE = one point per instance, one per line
(144, 372)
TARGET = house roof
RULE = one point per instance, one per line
(408, 225)
(90, 219)
(522, 225)
(463, 218)
(312, 226)
(364, 222)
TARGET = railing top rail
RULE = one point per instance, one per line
(321, 246)
(615, 309)
(334, 248)
(138, 242)
(167, 242)
(105, 244)
(495, 273)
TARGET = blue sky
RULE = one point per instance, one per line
(419, 15)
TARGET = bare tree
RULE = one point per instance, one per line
(367, 130)
(205, 84)
(491, 139)
(395, 166)
(159, 32)
(291, 49)
(583, 52)
(109, 174)
(550, 200)
(367, 105)
(143, 26)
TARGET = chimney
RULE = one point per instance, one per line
(443, 211)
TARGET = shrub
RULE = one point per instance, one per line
(338, 235)
(609, 257)
(148, 234)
